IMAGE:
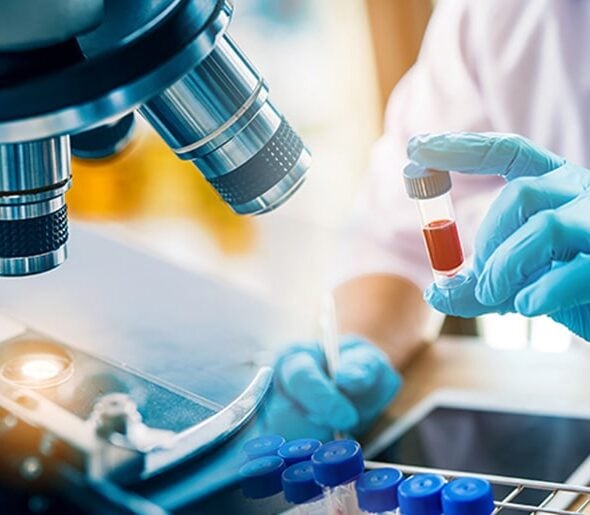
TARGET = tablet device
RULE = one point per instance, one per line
(472, 432)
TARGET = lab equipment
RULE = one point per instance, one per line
(377, 491)
(302, 490)
(539, 434)
(364, 384)
(298, 450)
(264, 445)
(86, 67)
(330, 341)
(430, 188)
(336, 465)
(577, 497)
(421, 494)
(468, 496)
(546, 274)
(261, 483)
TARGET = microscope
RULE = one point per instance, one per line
(81, 433)
(72, 74)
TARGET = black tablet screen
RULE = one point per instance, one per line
(548, 448)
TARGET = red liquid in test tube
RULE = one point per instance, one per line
(444, 247)
(431, 191)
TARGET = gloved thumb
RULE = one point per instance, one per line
(460, 300)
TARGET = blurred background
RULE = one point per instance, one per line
(331, 73)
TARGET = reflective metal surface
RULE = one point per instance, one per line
(27, 24)
(219, 116)
(34, 177)
(34, 165)
(199, 92)
(214, 430)
(125, 65)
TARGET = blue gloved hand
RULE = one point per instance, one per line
(308, 403)
(532, 251)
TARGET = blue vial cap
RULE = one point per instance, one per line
(265, 445)
(298, 450)
(377, 490)
(420, 495)
(468, 496)
(261, 477)
(299, 483)
(337, 462)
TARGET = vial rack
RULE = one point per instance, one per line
(578, 496)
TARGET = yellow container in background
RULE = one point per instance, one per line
(146, 180)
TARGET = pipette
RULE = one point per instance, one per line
(330, 342)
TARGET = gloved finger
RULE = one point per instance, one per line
(577, 320)
(460, 301)
(563, 287)
(489, 153)
(373, 401)
(360, 366)
(521, 199)
(548, 236)
(303, 379)
(280, 415)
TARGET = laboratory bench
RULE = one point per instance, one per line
(468, 363)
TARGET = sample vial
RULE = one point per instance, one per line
(295, 451)
(301, 489)
(336, 465)
(376, 491)
(468, 496)
(421, 495)
(431, 189)
(265, 445)
(261, 484)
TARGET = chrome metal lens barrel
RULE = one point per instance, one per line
(219, 116)
(34, 177)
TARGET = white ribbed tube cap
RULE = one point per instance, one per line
(424, 183)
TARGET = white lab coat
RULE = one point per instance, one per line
(520, 66)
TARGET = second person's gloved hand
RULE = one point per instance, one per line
(532, 251)
(306, 397)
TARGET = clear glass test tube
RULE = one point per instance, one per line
(431, 190)
(377, 491)
(336, 466)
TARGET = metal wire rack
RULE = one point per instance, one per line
(576, 498)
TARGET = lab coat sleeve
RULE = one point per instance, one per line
(439, 93)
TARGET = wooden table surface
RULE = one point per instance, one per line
(467, 363)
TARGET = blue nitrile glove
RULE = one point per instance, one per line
(364, 385)
(532, 251)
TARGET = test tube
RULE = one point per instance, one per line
(468, 496)
(377, 491)
(261, 484)
(336, 465)
(431, 190)
(264, 445)
(301, 489)
(295, 451)
(421, 495)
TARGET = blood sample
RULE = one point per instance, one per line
(431, 189)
